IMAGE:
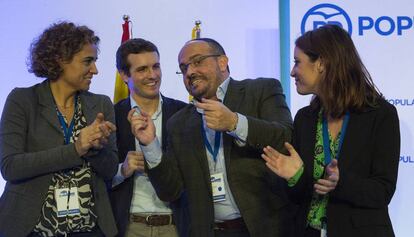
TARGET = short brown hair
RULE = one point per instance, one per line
(132, 46)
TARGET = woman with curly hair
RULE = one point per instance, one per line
(343, 165)
(57, 146)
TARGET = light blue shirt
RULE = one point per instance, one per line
(144, 197)
(224, 210)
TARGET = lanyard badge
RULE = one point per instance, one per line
(325, 135)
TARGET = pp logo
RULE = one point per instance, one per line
(323, 14)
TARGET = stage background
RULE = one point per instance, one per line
(383, 34)
(249, 32)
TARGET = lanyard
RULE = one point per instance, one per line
(326, 146)
(67, 131)
(217, 138)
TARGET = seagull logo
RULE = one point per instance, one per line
(323, 14)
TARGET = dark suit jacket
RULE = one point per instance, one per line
(32, 149)
(121, 194)
(183, 173)
(368, 166)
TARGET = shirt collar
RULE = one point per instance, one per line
(222, 89)
(159, 108)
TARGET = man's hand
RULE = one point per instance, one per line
(142, 126)
(217, 116)
(134, 161)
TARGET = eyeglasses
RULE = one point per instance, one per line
(196, 62)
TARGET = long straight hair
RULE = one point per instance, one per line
(346, 84)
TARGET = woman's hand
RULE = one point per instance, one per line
(95, 135)
(330, 180)
(282, 165)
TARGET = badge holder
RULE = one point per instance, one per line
(324, 232)
(217, 186)
(67, 199)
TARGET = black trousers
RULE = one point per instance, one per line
(231, 233)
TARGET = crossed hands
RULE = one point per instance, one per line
(217, 116)
(287, 166)
(95, 135)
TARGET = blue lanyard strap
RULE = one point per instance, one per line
(67, 131)
(326, 145)
(217, 138)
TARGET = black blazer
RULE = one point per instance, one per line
(368, 166)
(121, 195)
(183, 174)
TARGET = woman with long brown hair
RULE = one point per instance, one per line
(343, 163)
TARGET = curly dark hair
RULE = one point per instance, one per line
(58, 43)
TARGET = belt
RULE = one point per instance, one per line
(235, 224)
(153, 220)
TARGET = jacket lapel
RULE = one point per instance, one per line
(353, 139)
(193, 128)
(89, 104)
(167, 111)
(234, 96)
(47, 105)
(309, 136)
(125, 127)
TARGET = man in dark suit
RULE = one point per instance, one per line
(212, 165)
(137, 209)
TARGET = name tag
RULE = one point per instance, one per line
(67, 201)
(217, 185)
(324, 233)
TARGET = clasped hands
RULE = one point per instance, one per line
(287, 166)
(95, 135)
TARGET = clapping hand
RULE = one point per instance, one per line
(95, 135)
(282, 165)
(330, 180)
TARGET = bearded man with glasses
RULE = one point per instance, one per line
(213, 164)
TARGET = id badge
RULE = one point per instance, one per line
(217, 185)
(324, 233)
(67, 201)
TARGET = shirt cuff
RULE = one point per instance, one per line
(152, 153)
(118, 178)
(294, 180)
(241, 131)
